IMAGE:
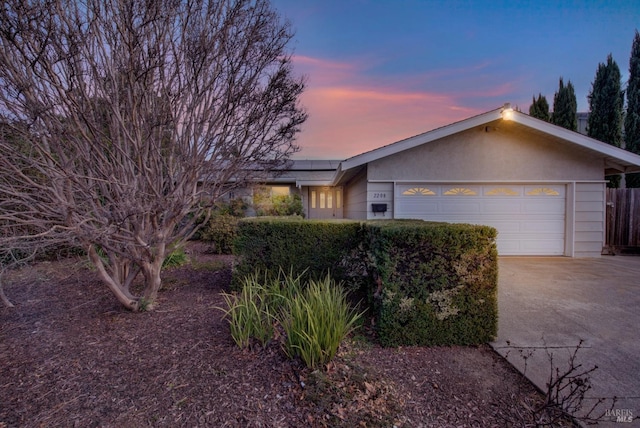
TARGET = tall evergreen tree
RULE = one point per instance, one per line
(565, 107)
(632, 118)
(540, 108)
(606, 101)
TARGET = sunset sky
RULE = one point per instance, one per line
(379, 71)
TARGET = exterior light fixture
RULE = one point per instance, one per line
(507, 112)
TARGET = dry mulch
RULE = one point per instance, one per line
(70, 355)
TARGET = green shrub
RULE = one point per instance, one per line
(316, 321)
(314, 317)
(307, 247)
(249, 313)
(266, 204)
(176, 258)
(437, 283)
(221, 230)
(426, 283)
(286, 206)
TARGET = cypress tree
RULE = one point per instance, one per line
(606, 101)
(540, 108)
(565, 107)
(632, 118)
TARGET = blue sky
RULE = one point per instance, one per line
(382, 70)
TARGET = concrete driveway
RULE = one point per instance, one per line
(555, 303)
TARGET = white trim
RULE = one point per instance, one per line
(570, 220)
(301, 183)
(625, 160)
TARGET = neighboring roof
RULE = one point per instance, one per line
(616, 159)
(309, 172)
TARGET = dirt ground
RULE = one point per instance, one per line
(71, 356)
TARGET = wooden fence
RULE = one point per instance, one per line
(623, 219)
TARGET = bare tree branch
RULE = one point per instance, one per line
(124, 120)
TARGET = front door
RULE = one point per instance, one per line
(325, 202)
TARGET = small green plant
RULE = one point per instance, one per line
(316, 321)
(176, 258)
(220, 231)
(314, 317)
(281, 289)
(143, 304)
(249, 315)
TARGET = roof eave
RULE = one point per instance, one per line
(420, 139)
(615, 157)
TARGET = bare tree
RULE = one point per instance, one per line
(137, 116)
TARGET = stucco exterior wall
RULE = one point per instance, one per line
(589, 219)
(503, 151)
(355, 197)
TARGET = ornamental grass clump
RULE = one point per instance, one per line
(316, 321)
(249, 314)
(313, 317)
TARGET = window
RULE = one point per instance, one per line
(461, 191)
(418, 191)
(543, 191)
(280, 190)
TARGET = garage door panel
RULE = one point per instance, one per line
(509, 246)
(539, 247)
(462, 207)
(543, 226)
(543, 206)
(501, 207)
(530, 219)
(505, 226)
(418, 209)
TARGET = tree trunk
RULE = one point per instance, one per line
(3, 297)
(151, 271)
(152, 282)
(118, 289)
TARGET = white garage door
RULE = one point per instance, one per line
(530, 218)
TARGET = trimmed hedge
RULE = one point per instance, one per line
(428, 283)
(436, 283)
(301, 247)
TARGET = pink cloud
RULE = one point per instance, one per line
(350, 113)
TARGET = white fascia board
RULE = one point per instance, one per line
(337, 176)
(418, 140)
(323, 183)
(618, 154)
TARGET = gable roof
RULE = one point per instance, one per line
(616, 160)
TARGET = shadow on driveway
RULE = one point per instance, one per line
(554, 304)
